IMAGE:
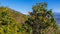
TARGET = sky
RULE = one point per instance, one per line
(24, 6)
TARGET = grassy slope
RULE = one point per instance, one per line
(10, 21)
(19, 17)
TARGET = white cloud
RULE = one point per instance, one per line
(56, 10)
(25, 12)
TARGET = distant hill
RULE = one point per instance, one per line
(57, 17)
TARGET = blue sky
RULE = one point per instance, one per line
(24, 6)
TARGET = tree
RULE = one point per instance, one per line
(41, 18)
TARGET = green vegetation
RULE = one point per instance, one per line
(8, 23)
(40, 21)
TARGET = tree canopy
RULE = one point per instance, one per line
(41, 18)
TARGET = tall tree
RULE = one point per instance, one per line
(41, 18)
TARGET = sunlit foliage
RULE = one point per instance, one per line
(41, 19)
(8, 24)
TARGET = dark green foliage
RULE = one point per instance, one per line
(41, 18)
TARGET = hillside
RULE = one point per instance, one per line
(11, 21)
(19, 17)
